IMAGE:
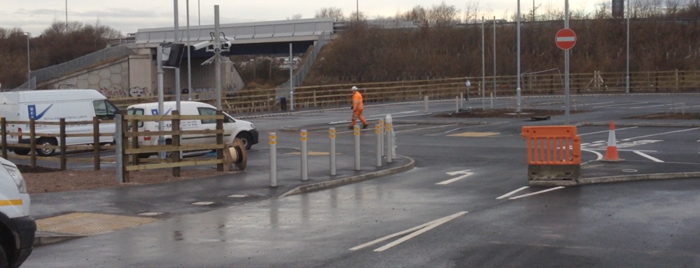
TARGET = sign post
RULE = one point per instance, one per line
(565, 40)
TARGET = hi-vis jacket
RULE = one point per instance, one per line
(357, 101)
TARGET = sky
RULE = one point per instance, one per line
(128, 16)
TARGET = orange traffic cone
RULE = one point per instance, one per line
(611, 153)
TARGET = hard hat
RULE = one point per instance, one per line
(354, 88)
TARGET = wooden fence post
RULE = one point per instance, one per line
(3, 129)
(134, 141)
(176, 141)
(220, 140)
(125, 145)
(62, 137)
(96, 141)
(32, 142)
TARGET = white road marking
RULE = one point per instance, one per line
(619, 104)
(464, 173)
(513, 192)
(425, 128)
(597, 103)
(415, 231)
(605, 131)
(538, 192)
(600, 156)
(372, 129)
(648, 106)
(659, 134)
(460, 128)
(649, 157)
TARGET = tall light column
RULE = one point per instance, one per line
(494, 57)
(518, 74)
(29, 68)
(189, 56)
(627, 84)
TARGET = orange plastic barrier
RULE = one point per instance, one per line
(552, 145)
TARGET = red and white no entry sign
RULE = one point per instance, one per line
(566, 39)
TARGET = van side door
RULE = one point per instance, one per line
(207, 124)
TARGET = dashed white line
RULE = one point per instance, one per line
(600, 156)
(659, 134)
(513, 192)
(536, 193)
(425, 128)
(605, 131)
(649, 157)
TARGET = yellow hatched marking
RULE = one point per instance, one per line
(13, 202)
(475, 134)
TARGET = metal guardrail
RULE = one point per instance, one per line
(57, 71)
(300, 75)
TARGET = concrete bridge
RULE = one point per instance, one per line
(129, 70)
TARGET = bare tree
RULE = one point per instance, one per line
(471, 12)
(442, 15)
(417, 15)
(330, 12)
(297, 16)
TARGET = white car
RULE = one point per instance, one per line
(17, 228)
(233, 128)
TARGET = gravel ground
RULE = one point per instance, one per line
(46, 180)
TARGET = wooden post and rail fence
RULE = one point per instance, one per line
(130, 150)
(56, 141)
(550, 82)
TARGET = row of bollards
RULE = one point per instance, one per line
(384, 148)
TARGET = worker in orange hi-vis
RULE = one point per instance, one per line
(357, 107)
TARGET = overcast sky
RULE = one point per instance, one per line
(128, 16)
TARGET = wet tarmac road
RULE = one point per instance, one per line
(637, 224)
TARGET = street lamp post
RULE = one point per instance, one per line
(518, 74)
(627, 84)
(29, 68)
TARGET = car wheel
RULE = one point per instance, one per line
(46, 152)
(3, 258)
(246, 139)
(21, 151)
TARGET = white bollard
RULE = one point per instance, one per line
(378, 131)
(331, 136)
(304, 156)
(273, 159)
(456, 104)
(491, 100)
(425, 102)
(461, 100)
(381, 126)
(357, 133)
(388, 135)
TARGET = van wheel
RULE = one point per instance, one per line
(3, 258)
(46, 152)
(21, 151)
(246, 139)
(146, 155)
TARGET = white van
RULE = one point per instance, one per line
(17, 228)
(233, 128)
(51, 105)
